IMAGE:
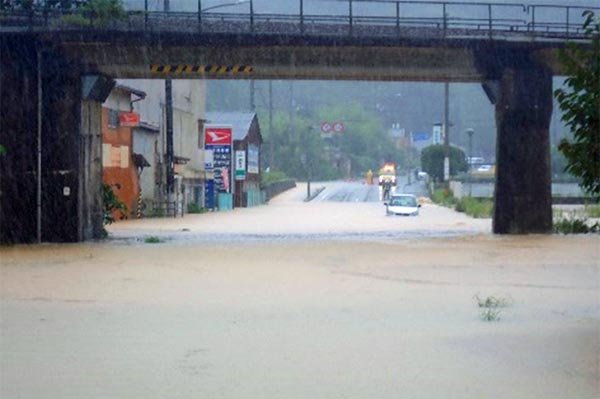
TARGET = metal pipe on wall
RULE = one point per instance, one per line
(39, 146)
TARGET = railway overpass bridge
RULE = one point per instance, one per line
(55, 76)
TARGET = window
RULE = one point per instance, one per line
(113, 118)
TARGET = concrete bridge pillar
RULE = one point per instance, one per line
(38, 84)
(523, 195)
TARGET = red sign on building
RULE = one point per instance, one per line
(129, 119)
(218, 136)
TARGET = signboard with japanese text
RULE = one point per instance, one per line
(437, 134)
(218, 145)
(240, 165)
(221, 166)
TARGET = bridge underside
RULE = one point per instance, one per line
(519, 77)
(304, 59)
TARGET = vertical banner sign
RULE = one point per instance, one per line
(209, 194)
(218, 141)
(240, 165)
(253, 156)
(437, 134)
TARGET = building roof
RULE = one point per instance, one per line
(240, 121)
(148, 126)
(129, 89)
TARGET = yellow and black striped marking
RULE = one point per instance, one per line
(201, 69)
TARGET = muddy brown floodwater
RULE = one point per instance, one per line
(311, 316)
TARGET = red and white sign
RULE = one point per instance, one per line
(129, 119)
(338, 127)
(332, 127)
(326, 127)
(218, 136)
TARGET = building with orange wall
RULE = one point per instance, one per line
(118, 166)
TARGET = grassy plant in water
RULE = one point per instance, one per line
(491, 306)
(443, 197)
(490, 314)
(475, 207)
(152, 240)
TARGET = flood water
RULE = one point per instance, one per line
(320, 315)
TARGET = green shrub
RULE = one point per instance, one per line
(593, 211)
(195, 208)
(475, 207)
(96, 13)
(273, 177)
(444, 197)
(158, 213)
(574, 225)
(152, 240)
(110, 204)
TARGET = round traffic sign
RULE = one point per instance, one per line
(338, 127)
(326, 127)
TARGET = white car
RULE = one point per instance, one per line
(402, 204)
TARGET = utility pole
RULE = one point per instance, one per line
(308, 158)
(271, 146)
(169, 128)
(446, 134)
(252, 100)
(470, 134)
(292, 106)
(39, 147)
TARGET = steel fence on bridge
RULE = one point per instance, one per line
(395, 18)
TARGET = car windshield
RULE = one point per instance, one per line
(403, 201)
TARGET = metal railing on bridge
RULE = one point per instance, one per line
(369, 18)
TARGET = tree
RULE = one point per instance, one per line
(580, 103)
(432, 161)
(94, 12)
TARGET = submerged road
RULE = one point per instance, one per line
(339, 191)
(343, 210)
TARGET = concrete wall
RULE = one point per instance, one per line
(90, 193)
(69, 155)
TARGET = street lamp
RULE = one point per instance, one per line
(470, 132)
